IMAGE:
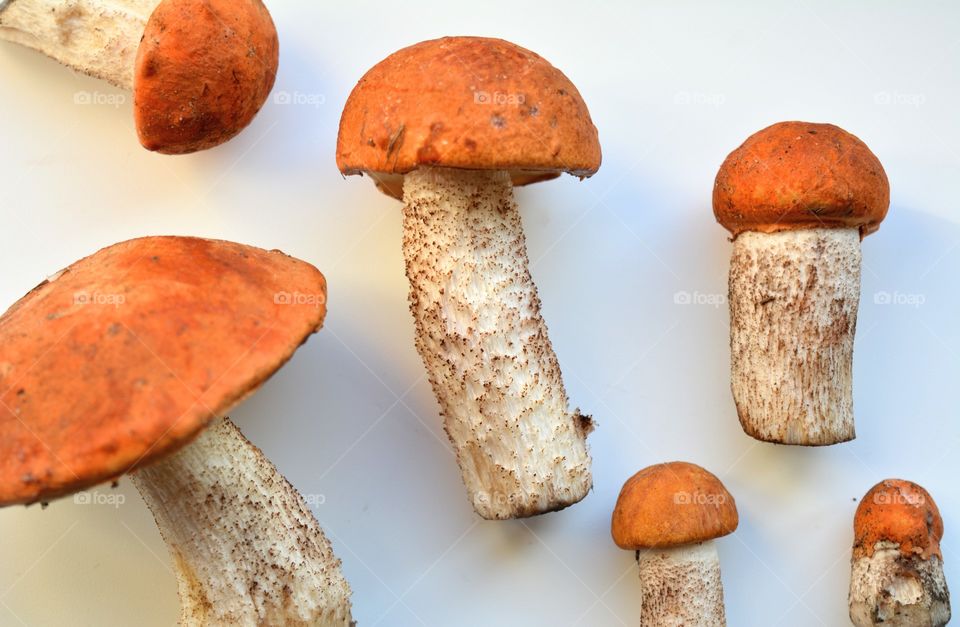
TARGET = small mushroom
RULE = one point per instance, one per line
(670, 514)
(125, 362)
(451, 126)
(199, 70)
(896, 575)
(797, 198)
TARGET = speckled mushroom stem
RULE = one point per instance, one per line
(245, 547)
(479, 331)
(794, 297)
(891, 589)
(682, 586)
(96, 37)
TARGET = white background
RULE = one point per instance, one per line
(673, 87)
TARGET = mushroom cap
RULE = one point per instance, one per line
(128, 354)
(672, 504)
(466, 102)
(898, 511)
(203, 70)
(801, 175)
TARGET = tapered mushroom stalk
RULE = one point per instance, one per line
(199, 69)
(897, 575)
(797, 198)
(124, 362)
(451, 126)
(670, 514)
(245, 547)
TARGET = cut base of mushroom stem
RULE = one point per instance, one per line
(794, 297)
(479, 331)
(96, 37)
(245, 547)
(681, 586)
(894, 590)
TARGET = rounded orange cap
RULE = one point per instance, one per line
(128, 354)
(203, 70)
(670, 505)
(801, 175)
(898, 511)
(466, 102)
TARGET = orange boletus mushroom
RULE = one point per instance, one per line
(450, 126)
(199, 70)
(897, 577)
(126, 362)
(797, 198)
(670, 514)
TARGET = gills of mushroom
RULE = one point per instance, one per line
(897, 577)
(123, 362)
(670, 515)
(450, 126)
(199, 70)
(245, 546)
(797, 198)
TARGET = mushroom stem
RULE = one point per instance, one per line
(479, 331)
(793, 313)
(96, 37)
(245, 547)
(895, 590)
(681, 586)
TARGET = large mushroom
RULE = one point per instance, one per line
(199, 70)
(670, 514)
(896, 575)
(450, 126)
(125, 362)
(797, 198)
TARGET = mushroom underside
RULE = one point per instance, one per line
(891, 589)
(794, 297)
(681, 586)
(245, 547)
(484, 343)
(99, 38)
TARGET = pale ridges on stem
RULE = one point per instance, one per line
(245, 547)
(484, 343)
(99, 38)
(794, 297)
(682, 586)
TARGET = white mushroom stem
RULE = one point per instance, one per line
(681, 587)
(97, 37)
(794, 297)
(894, 590)
(479, 331)
(244, 545)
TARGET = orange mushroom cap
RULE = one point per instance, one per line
(801, 175)
(672, 504)
(203, 70)
(466, 102)
(128, 354)
(898, 511)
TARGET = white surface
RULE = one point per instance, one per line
(673, 87)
